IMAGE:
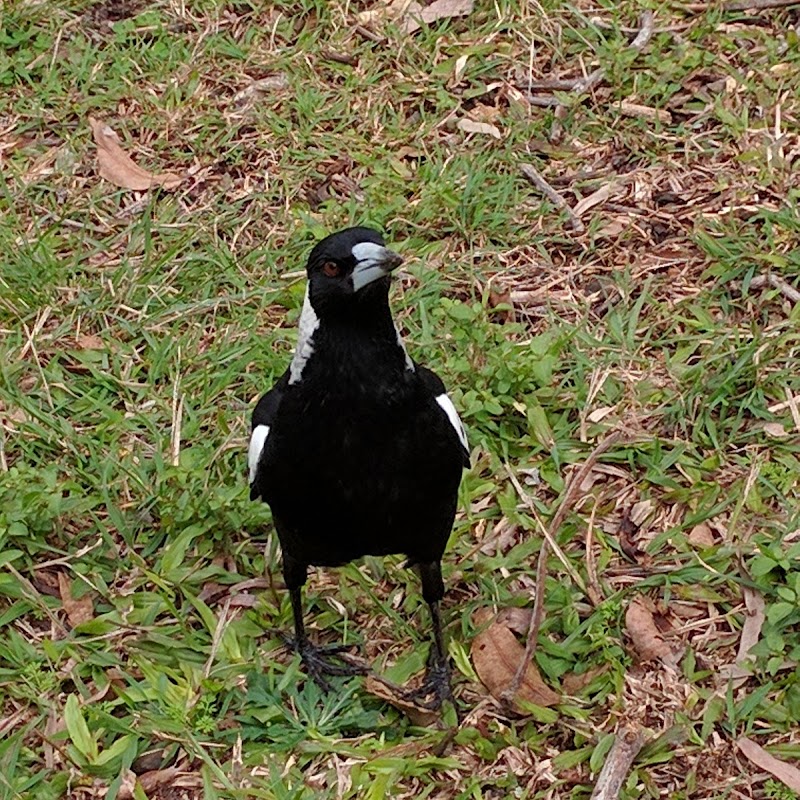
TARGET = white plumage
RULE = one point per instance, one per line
(257, 442)
(447, 406)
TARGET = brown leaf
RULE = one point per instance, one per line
(78, 611)
(157, 778)
(439, 9)
(572, 683)
(647, 639)
(117, 166)
(701, 535)
(496, 654)
(751, 632)
(89, 341)
(786, 773)
(418, 715)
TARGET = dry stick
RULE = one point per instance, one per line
(778, 282)
(646, 28)
(570, 495)
(626, 747)
(536, 178)
(743, 5)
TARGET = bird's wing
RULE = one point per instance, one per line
(263, 418)
(433, 383)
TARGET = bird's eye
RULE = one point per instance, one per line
(331, 269)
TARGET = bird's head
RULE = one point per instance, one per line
(349, 270)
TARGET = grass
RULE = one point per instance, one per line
(138, 615)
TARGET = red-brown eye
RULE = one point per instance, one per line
(331, 269)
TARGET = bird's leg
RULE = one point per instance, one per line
(317, 659)
(436, 682)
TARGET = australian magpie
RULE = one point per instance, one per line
(357, 448)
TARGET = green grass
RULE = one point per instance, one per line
(138, 329)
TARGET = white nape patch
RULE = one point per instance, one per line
(368, 251)
(402, 346)
(309, 322)
(447, 406)
(257, 442)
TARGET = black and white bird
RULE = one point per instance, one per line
(357, 449)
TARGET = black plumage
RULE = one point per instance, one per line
(357, 449)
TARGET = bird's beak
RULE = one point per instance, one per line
(373, 261)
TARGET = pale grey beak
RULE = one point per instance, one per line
(373, 261)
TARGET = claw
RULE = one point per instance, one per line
(322, 660)
(435, 685)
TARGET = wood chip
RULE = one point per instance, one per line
(470, 126)
(116, 166)
(645, 112)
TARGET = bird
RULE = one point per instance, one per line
(357, 449)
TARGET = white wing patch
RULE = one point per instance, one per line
(447, 406)
(257, 442)
(309, 322)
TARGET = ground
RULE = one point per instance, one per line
(649, 293)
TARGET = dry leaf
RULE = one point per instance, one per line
(647, 639)
(439, 9)
(88, 341)
(78, 611)
(117, 167)
(572, 683)
(701, 536)
(470, 126)
(751, 632)
(418, 715)
(786, 773)
(156, 779)
(774, 429)
(600, 413)
(595, 198)
(381, 12)
(496, 654)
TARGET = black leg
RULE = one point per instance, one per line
(436, 683)
(317, 660)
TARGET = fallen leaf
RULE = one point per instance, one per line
(418, 715)
(600, 413)
(595, 198)
(78, 611)
(496, 654)
(786, 773)
(157, 778)
(272, 83)
(117, 166)
(470, 126)
(774, 429)
(751, 632)
(88, 341)
(439, 9)
(572, 683)
(701, 536)
(381, 12)
(647, 639)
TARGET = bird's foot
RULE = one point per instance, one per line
(434, 689)
(325, 660)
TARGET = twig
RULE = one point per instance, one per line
(646, 28)
(778, 282)
(340, 58)
(743, 5)
(570, 495)
(366, 33)
(536, 178)
(626, 747)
